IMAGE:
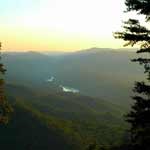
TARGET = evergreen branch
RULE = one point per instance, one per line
(144, 50)
(142, 88)
(141, 6)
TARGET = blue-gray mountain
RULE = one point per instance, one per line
(103, 73)
(81, 96)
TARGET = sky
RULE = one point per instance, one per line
(60, 25)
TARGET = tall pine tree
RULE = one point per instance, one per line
(135, 33)
(5, 108)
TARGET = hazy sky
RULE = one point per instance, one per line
(59, 24)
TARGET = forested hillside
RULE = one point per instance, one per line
(94, 114)
(73, 118)
(30, 129)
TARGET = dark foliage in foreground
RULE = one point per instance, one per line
(5, 108)
(135, 33)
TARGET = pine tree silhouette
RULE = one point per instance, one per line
(134, 33)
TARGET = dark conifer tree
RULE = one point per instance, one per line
(5, 108)
(135, 33)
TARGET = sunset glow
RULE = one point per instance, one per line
(60, 24)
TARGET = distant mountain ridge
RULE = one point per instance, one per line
(61, 52)
(95, 72)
